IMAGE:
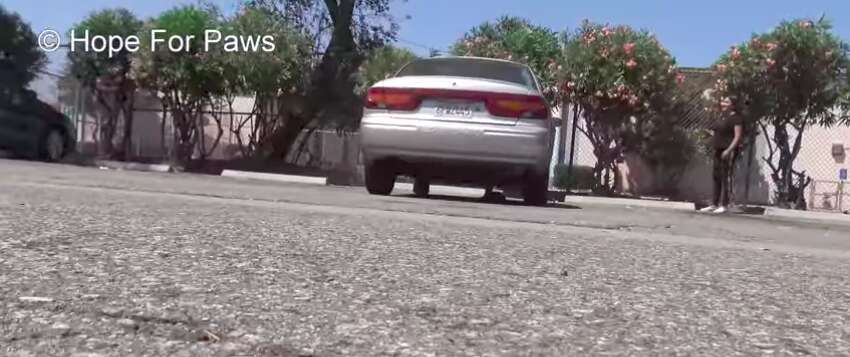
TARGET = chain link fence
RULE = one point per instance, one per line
(823, 154)
(823, 158)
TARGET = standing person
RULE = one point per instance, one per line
(727, 137)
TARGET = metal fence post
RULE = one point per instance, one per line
(812, 194)
(570, 180)
(751, 152)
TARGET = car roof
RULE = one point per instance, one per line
(473, 58)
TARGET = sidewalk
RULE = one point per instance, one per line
(826, 217)
(823, 217)
(465, 191)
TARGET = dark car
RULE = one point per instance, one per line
(33, 129)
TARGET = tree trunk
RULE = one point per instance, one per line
(790, 185)
(184, 136)
(330, 95)
(127, 138)
(107, 120)
(162, 143)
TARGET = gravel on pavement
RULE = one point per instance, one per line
(99, 263)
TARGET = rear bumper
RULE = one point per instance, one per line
(433, 141)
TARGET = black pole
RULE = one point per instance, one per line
(750, 154)
(572, 148)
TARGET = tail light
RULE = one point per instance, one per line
(392, 99)
(518, 106)
(498, 104)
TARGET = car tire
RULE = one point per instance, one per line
(52, 146)
(380, 180)
(421, 187)
(536, 190)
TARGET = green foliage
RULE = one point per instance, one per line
(516, 39)
(272, 78)
(342, 33)
(668, 149)
(193, 73)
(382, 63)
(581, 177)
(370, 21)
(794, 77)
(88, 66)
(619, 78)
(265, 73)
(617, 70)
(187, 80)
(20, 57)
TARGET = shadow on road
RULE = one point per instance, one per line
(498, 201)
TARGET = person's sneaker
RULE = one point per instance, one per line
(709, 209)
(721, 210)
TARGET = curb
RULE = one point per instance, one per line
(629, 202)
(463, 191)
(809, 215)
(133, 166)
(273, 177)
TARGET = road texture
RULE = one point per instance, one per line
(109, 263)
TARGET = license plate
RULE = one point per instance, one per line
(455, 110)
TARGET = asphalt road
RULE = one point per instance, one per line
(109, 263)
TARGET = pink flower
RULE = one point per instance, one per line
(771, 62)
(607, 32)
(736, 53)
(721, 68)
(721, 85)
(771, 46)
(631, 64)
(680, 78)
(621, 88)
(629, 48)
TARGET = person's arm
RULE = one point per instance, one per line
(739, 133)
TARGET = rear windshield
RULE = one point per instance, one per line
(474, 68)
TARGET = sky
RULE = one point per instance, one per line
(696, 32)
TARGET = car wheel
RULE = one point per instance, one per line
(536, 189)
(421, 187)
(53, 146)
(379, 179)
